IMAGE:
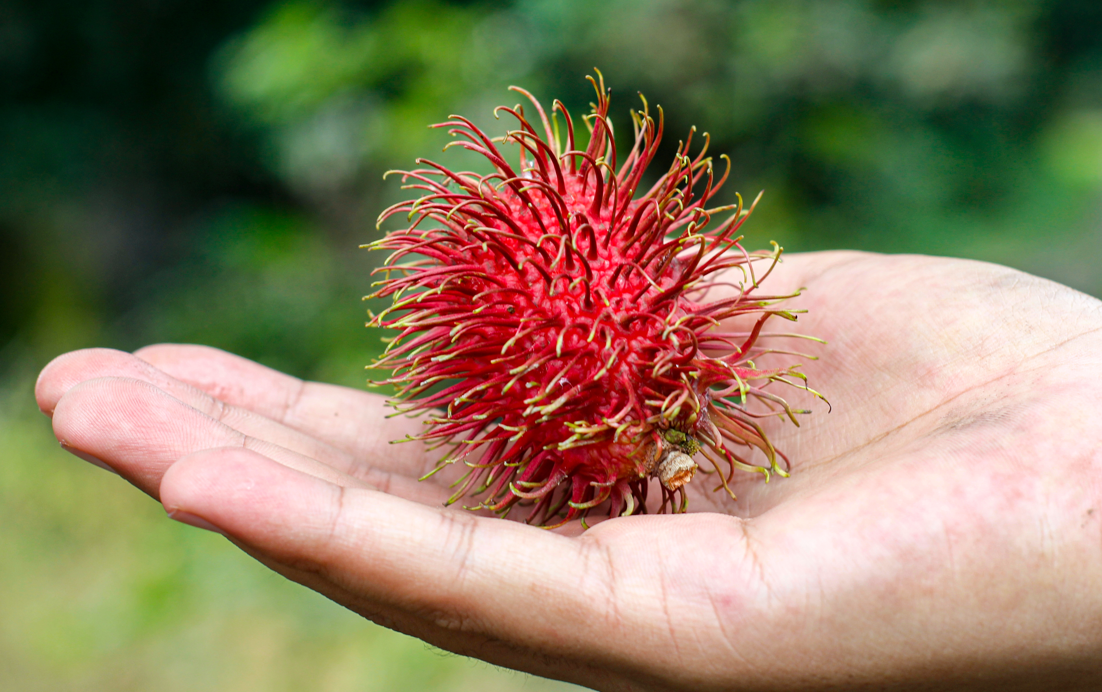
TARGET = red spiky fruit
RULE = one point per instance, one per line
(560, 320)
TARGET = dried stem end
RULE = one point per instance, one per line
(675, 469)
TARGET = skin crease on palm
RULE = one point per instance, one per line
(941, 529)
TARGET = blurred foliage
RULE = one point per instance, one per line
(204, 171)
(141, 139)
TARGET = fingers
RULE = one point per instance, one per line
(351, 420)
(139, 430)
(371, 455)
(71, 369)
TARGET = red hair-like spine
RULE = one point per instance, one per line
(553, 321)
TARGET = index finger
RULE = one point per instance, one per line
(498, 590)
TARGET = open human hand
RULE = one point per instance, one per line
(941, 527)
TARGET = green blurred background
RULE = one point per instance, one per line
(204, 171)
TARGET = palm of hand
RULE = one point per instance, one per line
(942, 523)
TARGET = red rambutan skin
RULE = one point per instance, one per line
(554, 322)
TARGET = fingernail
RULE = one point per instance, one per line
(193, 520)
(94, 461)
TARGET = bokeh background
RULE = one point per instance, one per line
(204, 171)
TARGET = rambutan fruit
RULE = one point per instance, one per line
(554, 323)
